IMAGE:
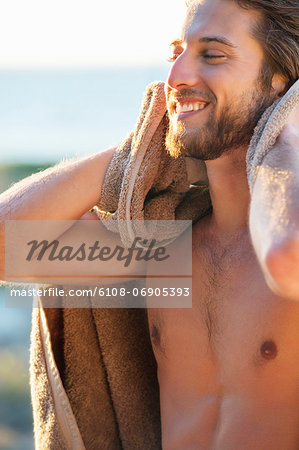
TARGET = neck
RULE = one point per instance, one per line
(229, 191)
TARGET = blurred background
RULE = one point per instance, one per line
(72, 75)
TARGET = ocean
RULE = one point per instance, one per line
(48, 114)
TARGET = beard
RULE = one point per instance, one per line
(232, 130)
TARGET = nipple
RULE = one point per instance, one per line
(269, 350)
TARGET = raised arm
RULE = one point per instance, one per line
(274, 212)
(63, 192)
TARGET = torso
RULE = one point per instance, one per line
(228, 368)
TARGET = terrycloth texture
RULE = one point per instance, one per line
(268, 129)
(104, 372)
(93, 372)
(54, 424)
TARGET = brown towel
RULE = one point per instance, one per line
(94, 383)
(93, 373)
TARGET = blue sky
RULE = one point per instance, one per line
(87, 33)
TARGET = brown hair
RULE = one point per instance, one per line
(278, 34)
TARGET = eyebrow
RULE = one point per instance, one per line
(207, 39)
(221, 40)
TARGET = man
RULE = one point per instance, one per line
(228, 368)
(228, 374)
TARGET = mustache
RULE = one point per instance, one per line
(206, 96)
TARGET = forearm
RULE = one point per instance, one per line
(274, 215)
(63, 192)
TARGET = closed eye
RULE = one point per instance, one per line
(172, 58)
(214, 56)
(213, 59)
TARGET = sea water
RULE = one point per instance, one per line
(49, 114)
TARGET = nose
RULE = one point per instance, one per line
(183, 72)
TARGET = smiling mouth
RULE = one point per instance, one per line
(186, 108)
(190, 107)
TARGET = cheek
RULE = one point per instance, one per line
(219, 79)
(246, 75)
(230, 76)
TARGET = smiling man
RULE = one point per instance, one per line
(228, 369)
(220, 70)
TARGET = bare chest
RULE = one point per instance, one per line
(220, 362)
(233, 310)
(227, 280)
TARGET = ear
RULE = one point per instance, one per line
(279, 85)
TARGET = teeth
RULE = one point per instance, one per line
(189, 107)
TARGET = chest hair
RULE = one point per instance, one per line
(217, 267)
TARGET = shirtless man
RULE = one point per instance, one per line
(228, 368)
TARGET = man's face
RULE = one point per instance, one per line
(216, 92)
